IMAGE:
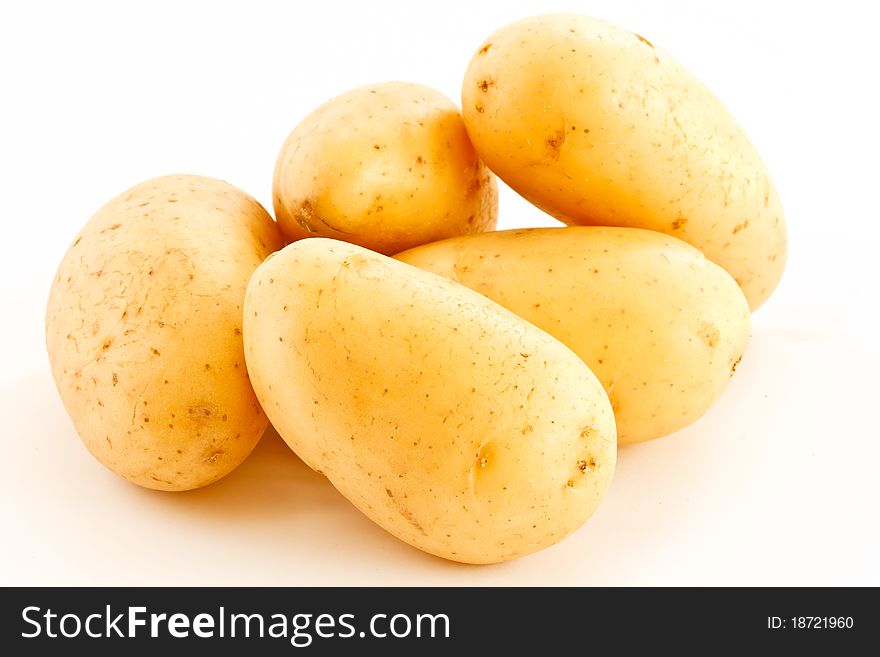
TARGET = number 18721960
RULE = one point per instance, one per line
(810, 622)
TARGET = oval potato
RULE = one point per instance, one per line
(388, 166)
(143, 330)
(595, 125)
(447, 420)
(662, 327)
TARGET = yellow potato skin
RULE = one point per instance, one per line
(143, 330)
(661, 326)
(387, 166)
(447, 420)
(596, 126)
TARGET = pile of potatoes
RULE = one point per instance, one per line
(469, 393)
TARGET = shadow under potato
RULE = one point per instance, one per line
(280, 500)
(272, 481)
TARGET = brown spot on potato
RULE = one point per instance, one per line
(587, 433)
(735, 363)
(643, 40)
(710, 334)
(479, 107)
(484, 49)
(555, 142)
(115, 379)
(308, 219)
(679, 222)
(484, 85)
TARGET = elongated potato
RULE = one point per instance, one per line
(143, 329)
(388, 166)
(662, 327)
(449, 421)
(597, 126)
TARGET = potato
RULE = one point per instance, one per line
(449, 421)
(388, 166)
(662, 327)
(596, 126)
(143, 329)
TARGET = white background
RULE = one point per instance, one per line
(777, 484)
